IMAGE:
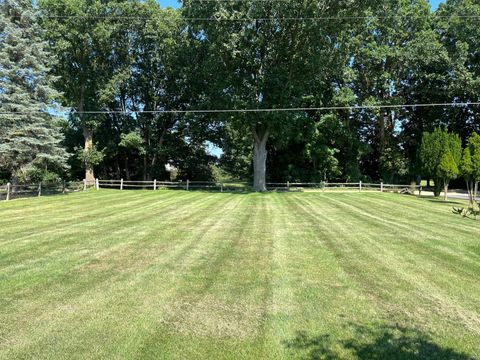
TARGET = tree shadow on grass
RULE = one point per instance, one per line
(451, 202)
(372, 343)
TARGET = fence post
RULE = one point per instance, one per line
(360, 185)
(288, 185)
(155, 184)
(63, 186)
(40, 189)
(84, 184)
(8, 191)
(381, 187)
(121, 184)
(221, 187)
(97, 185)
(188, 184)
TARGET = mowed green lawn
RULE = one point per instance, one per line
(194, 275)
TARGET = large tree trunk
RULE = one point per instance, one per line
(88, 138)
(89, 176)
(260, 135)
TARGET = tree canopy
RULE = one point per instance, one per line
(147, 87)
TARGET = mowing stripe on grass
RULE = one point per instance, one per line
(176, 274)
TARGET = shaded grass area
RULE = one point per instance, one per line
(171, 274)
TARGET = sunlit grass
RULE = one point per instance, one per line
(188, 275)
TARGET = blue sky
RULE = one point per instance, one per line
(174, 3)
(165, 3)
(435, 3)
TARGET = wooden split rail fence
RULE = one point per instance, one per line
(179, 185)
(242, 186)
(10, 191)
(17, 191)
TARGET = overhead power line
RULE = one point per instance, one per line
(255, 110)
(247, 19)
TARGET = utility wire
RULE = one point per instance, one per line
(256, 110)
(286, 18)
(243, 19)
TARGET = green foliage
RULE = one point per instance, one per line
(322, 149)
(32, 174)
(91, 157)
(267, 64)
(237, 152)
(447, 167)
(389, 60)
(220, 175)
(431, 151)
(129, 65)
(172, 62)
(474, 148)
(87, 62)
(470, 212)
(132, 142)
(441, 155)
(392, 164)
(470, 166)
(29, 136)
(461, 40)
(466, 166)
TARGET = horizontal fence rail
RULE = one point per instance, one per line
(18, 191)
(15, 191)
(243, 186)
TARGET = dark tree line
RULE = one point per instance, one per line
(118, 64)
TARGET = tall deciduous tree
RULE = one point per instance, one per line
(29, 136)
(460, 37)
(159, 68)
(390, 53)
(81, 34)
(267, 62)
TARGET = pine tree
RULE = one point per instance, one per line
(30, 138)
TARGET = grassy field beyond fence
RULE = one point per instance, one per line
(197, 275)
